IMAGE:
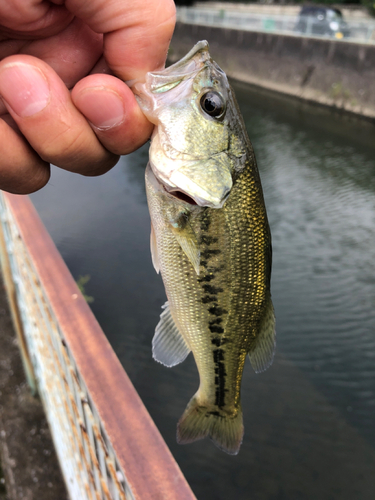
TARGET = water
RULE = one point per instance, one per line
(309, 420)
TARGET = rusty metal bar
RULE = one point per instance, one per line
(16, 318)
(108, 446)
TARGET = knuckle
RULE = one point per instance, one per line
(63, 145)
(77, 150)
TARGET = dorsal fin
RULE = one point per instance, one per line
(261, 356)
(168, 345)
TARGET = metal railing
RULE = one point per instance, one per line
(361, 30)
(107, 445)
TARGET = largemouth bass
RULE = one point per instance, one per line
(210, 240)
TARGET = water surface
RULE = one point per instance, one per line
(309, 420)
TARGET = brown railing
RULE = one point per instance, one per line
(107, 444)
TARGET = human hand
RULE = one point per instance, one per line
(59, 102)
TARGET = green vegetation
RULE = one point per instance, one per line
(339, 92)
(81, 282)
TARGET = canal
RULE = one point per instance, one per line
(310, 419)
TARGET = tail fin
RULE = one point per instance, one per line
(199, 421)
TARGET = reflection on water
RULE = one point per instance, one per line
(309, 420)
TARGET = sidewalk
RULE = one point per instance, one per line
(28, 461)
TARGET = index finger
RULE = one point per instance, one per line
(136, 33)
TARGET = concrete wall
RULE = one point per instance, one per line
(330, 72)
(353, 11)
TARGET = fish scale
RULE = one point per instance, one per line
(210, 240)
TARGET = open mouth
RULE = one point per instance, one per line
(180, 195)
(200, 197)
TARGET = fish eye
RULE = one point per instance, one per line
(212, 103)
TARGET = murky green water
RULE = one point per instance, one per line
(310, 419)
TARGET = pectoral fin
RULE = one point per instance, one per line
(189, 244)
(154, 250)
(261, 355)
(168, 345)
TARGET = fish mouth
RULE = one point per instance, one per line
(177, 193)
(200, 202)
(196, 195)
(180, 195)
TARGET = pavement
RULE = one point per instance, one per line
(29, 469)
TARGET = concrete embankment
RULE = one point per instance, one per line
(349, 11)
(325, 71)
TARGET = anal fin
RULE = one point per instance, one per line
(262, 353)
(168, 345)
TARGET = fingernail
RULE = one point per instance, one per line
(104, 108)
(24, 89)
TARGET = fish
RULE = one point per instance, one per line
(210, 240)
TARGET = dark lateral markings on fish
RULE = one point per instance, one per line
(220, 374)
(206, 299)
(217, 311)
(208, 277)
(216, 329)
(207, 240)
(212, 289)
(218, 341)
(216, 321)
(205, 223)
(206, 254)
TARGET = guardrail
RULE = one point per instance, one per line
(107, 444)
(362, 31)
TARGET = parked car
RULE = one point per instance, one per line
(322, 21)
